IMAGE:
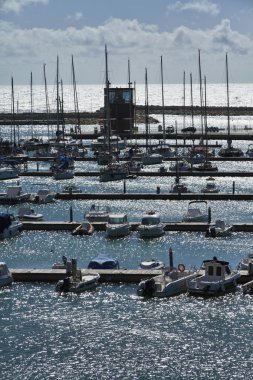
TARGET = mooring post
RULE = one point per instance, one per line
(158, 190)
(233, 187)
(71, 214)
(124, 186)
(37, 166)
(209, 215)
(171, 258)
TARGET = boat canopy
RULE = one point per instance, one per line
(102, 262)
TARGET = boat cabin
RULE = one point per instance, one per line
(150, 219)
(117, 219)
(216, 270)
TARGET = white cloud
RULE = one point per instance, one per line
(17, 5)
(76, 16)
(142, 43)
(202, 6)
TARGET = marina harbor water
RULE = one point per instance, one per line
(111, 332)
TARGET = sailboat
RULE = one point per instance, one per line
(229, 151)
(114, 170)
(149, 158)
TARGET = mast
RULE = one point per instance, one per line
(162, 99)
(75, 93)
(130, 99)
(62, 112)
(201, 95)
(107, 103)
(57, 95)
(228, 111)
(47, 101)
(13, 131)
(31, 93)
(192, 110)
(205, 104)
(146, 109)
(184, 100)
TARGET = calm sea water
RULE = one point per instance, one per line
(111, 333)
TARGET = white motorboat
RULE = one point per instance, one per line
(210, 186)
(219, 229)
(9, 226)
(246, 264)
(8, 172)
(152, 159)
(27, 213)
(43, 195)
(249, 151)
(74, 282)
(70, 189)
(14, 195)
(117, 225)
(168, 284)
(152, 264)
(195, 213)
(217, 279)
(74, 285)
(113, 172)
(98, 214)
(60, 174)
(5, 275)
(151, 226)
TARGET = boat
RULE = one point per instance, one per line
(249, 151)
(219, 229)
(217, 279)
(27, 213)
(5, 275)
(103, 262)
(117, 225)
(98, 214)
(62, 264)
(113, 172)
(84, 228)
(210, 186)
(229, 151)
(60, 174)
(151, 226)
(152, 159)
(168, 284)
(43, 195)
(196, 214)
(246, 264)
(14, 195)
(152, 264)
(180, 166)
(70, 189)
(8, 172)
(9, 226)
(74, 282)
(206, 166)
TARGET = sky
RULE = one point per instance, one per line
(35, 32)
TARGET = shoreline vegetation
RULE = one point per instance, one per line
(97, 117)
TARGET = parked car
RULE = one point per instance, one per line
(189, 129)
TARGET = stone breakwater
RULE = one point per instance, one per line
(97, 117)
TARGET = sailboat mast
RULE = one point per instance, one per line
(13, 112)
(192, 110)
(184, 100)
(162, 99)
(47, 101)
(31, 93)
(228, 111)
(201, 95)
(107, 102)
(130, 100)
(75, 93)
(146, 109)
(57, 94)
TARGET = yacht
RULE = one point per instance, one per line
(217, 279)
(210, 186)
(98, 214)
(5, 275)
(196, 213)
(117, 225)
(219, 229)
(151, 226)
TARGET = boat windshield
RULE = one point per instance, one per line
(149, 220)
(117, 219)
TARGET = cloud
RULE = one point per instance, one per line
(142, 43)
(201, 6)
(17, 5)
(76, 16)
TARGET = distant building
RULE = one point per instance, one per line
(121, 109)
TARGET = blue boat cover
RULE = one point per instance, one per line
(102, 262)
(5, 221)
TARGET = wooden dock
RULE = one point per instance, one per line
(118, 276)
(168, 226)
